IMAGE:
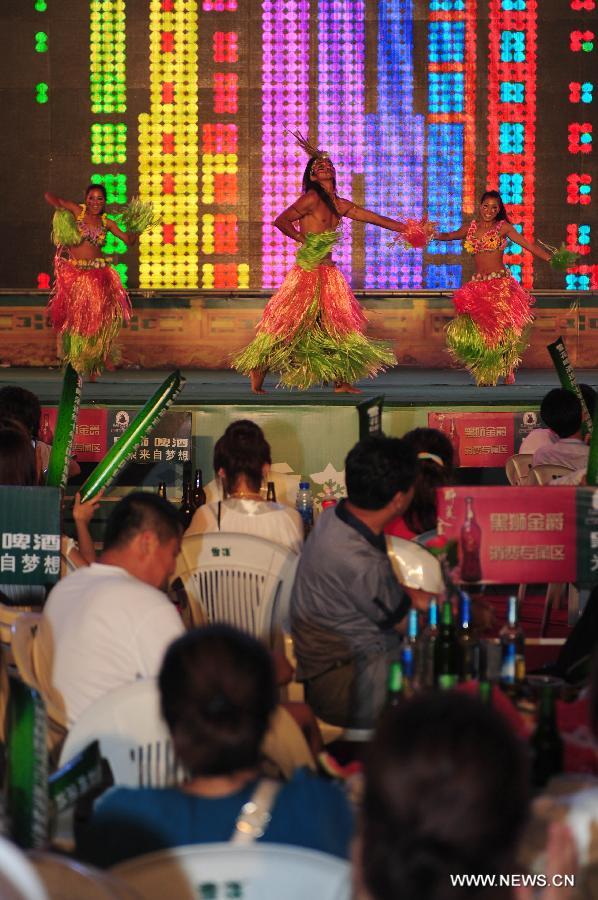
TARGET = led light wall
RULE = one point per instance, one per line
(169, 149)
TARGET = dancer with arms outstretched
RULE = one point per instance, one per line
(312, 329)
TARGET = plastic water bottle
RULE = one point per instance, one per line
(305, 506)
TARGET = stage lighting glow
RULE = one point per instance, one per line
(579, 189)
(41, 92)
(108, 143)
(226, 49)
(116, 186)
(581, 92)
(41, 42)
(580, 137)
(579, 238)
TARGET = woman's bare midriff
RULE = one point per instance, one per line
(85, 250)
(488, 261)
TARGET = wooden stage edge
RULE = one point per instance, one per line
(201, 329)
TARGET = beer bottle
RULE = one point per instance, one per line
(546, 743)
(427, 647)
(394, 685)
(199, 495)
(45, 432)
(512, 646)
(271, 492)
(470, 542)
(485, 692)
(408, 654)
(186, 507)
(446, 655)
(470, 648)
(162, 490)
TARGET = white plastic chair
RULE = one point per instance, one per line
(257, 872)
(243, 580)
(18, 878)
(132, 735)
(547, 472)
(517, 468)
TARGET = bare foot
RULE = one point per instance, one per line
(256, 379)
(510, 377)
(343, 387)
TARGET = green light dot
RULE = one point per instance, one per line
(40, 5)
(587, 46)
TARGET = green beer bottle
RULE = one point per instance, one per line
(447, 656)
(394, 690)
(546, 742)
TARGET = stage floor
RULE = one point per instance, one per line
(401, 387)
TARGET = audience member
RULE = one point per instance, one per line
(543, 436)
(110, 621)
(20, 404)
(435, 469)
(242, 460)
(446, 794)
(561, 411)
(218, 695)
(346, 602)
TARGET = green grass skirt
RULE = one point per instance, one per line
(468, 347)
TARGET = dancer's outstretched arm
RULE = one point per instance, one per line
(517, 238)
(359, 214)
(451, 235)
(60, 203)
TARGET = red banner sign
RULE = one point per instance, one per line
(91, 434)
(511, 535)
(478, 438)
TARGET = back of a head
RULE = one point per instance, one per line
(242, 451)
(435, 468)
(446, 793)
(561, 412)
(137, 512)
(218, 691)
(17, 456)
(376, 469)
(19, 403)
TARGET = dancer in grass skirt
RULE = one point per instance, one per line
(88, 304)
(313, 328)
(494, 317)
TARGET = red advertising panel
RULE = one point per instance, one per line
(91, 433)
(478, 438)
(511, 535)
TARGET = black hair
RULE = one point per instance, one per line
(98, 187)
(376, 469)
(420, 516)
(561, 412)
(242, 450)
(309, 185)
(501, 215)
(19, 403)
(446, 792)
(141, 511)
(218, 692)
(17, 456)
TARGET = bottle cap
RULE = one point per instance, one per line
(304, 485)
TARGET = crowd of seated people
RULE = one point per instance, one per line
(112, 623)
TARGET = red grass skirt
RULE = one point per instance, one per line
(312, 330)
(88, 306)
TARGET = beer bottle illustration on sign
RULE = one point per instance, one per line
(470, 544)
(454, 439)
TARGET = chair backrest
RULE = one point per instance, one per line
(65, 878)
(33, 653)
(258, 872)
(517, 468)
(132, 735)
(240, 579)
(18, 878)
(547, 472)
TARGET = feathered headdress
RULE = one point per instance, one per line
(310, 149)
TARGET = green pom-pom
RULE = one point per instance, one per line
(64, 229)
(138, 216)
(562, 259)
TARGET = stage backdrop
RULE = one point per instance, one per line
(421, 103)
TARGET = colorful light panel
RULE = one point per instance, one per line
(108, 56)
(169, 148)
(285, 103)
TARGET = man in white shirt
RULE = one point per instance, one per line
(111, 621)
(561, 411)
